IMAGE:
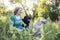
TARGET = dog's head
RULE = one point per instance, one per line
(41, 20)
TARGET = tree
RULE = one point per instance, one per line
(2, 9)
(41, 9)
(54, 10)
(23, 3)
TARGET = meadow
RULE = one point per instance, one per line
(49, 9)
(51, 31)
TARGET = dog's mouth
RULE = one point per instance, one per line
(43, 22)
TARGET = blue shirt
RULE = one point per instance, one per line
(17, 23)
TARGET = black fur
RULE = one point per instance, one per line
(26, 20)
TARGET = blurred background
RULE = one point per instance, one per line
(49, 9)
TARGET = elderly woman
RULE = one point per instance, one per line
(16, 19)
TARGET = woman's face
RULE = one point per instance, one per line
(19, 11)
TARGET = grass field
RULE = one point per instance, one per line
(51, 31)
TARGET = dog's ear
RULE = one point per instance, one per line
(38, 20)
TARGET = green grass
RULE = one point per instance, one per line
(51, 31)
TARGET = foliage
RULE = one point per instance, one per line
(47, 8)
(51, 30)
(2, 9)
(54, 9)
(41, 9)
(15, 1)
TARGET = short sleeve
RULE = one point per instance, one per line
(12, 18)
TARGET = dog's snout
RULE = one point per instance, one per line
(44, 21)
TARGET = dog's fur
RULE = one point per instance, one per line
(37, 26)
(26, 20)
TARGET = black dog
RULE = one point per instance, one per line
(26, 20)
